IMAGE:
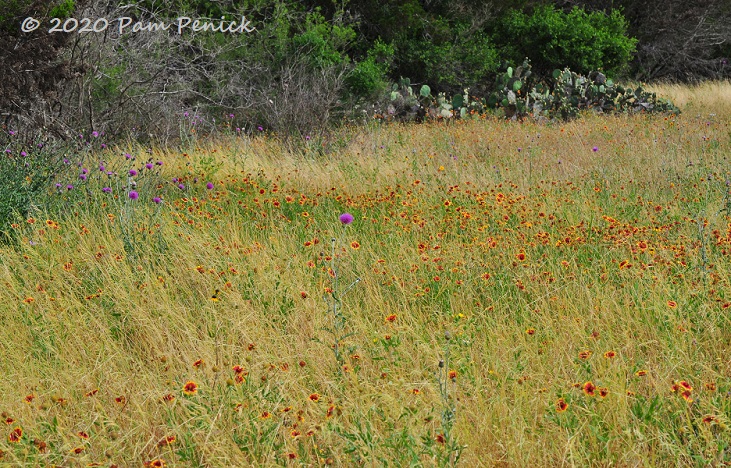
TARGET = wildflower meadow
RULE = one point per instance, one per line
(477, 292)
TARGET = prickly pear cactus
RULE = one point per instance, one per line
(509, 94)
(563, 96)
(570, 93)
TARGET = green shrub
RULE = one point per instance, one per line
(578, 40)
(368, 78)
(63, 10)
(448, 56)
(27, 167)
(325, 43)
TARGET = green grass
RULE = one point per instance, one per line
(504, 250)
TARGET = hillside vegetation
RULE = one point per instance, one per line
(303, 67)
(506, 294)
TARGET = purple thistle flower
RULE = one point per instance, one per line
(133, 195)
(181, 186)
(148, 165)
(132, 172)
(260, 128)
(346, 218)
(157, 200)
(58, 185)
(95, 134)
(101, 168)
(159, 163)
(127, 155)
(8, 151)
(107, 190)
(69, 187)
(82, 176)
(595, 149)
(12, 132)
(209, 185)
(104, 146)
(23, 153)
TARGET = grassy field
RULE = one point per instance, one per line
(507, 294)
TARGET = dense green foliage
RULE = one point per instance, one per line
(368, 77)
(27, 167)
(311, 63)
(579, 40)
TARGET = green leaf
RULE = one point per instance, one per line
(457, 101)
(425, 91)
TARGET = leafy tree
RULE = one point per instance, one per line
(677, 40)
(554, 39)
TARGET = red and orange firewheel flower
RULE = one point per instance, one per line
(589, 389)
(15, 436)
(190, 388)
(685, 389)
(167, 440)
(561, 405)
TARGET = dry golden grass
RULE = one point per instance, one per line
(712, 97)
(518, 241)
